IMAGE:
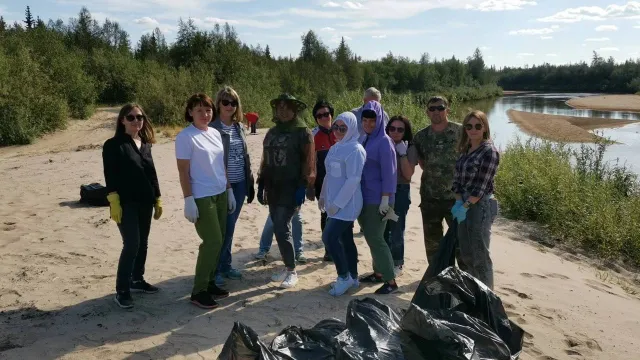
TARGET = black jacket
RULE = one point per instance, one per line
(130, 171)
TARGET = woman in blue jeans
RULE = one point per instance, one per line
(341, 199)
(238, 165)
(399, 130)
(267, 238)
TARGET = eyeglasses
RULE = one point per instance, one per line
(323, 115)
(470, 126)
(138, 117)
(400, 130)
(339, 128)
(439, 108)
(226, 102)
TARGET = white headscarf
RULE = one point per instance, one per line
(351, 137)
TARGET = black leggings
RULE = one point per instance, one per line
(134, 228)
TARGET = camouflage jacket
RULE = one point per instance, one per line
(438, 153)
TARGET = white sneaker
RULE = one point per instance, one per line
(397, 270)
(291, 279)
(280, 276)
(341, 286)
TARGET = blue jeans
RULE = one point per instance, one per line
(394, 232)
(296, 228)
(240, 193)
(338, 240)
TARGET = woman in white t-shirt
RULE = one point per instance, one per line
(208, 196)
(341, 199)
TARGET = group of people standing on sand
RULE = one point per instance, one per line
(357, 166)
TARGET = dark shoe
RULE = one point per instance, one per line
(124, 300)
(143, 286)
(327, 257)
(217, 293)
(203, 300)
(301, 259)
(387, 288)
(371, 278)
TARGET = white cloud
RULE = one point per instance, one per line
(525, 54)
(552, 55)
(147, 21)
(597, 39)
(631, 10)
(603, 49)
(359, 24)
(383, 36)
(540, 31)
(354, 5)
(328, 29)
(484, 48)
(501, 5)
(210, 21)
(607, 28)
(637, 26)
(335, 39)
(546, 37)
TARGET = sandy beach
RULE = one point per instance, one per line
(563, 128)
(58, 262)
(607, 102)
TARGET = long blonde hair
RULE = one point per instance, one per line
(463, 144)
(227, 93)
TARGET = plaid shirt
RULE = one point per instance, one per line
(475, 171)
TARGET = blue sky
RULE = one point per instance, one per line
(509, 32)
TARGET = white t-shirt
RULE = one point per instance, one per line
(205, 151)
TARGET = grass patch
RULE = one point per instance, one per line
(579, 197)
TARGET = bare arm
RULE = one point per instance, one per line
(185, 178)
(406, 168)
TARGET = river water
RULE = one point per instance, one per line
(503, 131)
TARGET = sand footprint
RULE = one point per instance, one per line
(518, 293)
(527, 275)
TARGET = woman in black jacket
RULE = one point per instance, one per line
(134, 197)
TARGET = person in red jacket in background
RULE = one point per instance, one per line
(252, 119)
(323, 139)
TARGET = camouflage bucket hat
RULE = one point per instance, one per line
(298, 105)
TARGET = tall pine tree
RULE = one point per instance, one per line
(28, 19)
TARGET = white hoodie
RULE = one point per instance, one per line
(344, 164)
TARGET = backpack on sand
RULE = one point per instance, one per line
(94, 194)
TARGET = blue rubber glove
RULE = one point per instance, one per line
(461, 214)
(301, 193)
(455, 207)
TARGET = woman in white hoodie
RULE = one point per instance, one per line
(341, 199)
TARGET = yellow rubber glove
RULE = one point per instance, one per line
(114, 206)
(157, 209)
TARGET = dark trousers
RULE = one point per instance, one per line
(253, 128)
(338, 240)
(134, 228)
(394, 232)
(281, 217)
(433, 212)
(240, 193)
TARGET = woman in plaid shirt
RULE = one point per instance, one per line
(473, 185)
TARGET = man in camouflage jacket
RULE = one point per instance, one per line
(435, 149)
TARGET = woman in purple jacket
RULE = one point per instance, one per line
(379, 180)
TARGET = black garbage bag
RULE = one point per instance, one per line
(446, 254)
(457, 291)
(317, 343)
(243, 344)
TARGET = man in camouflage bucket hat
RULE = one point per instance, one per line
(435, 148)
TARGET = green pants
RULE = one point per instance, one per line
(211, 227)
(373, 226)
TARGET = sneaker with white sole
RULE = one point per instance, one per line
(279, 276)
(290, 280)
(261, 255)
(341, 286)
(397, 270)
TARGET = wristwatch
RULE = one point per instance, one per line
(467, 204)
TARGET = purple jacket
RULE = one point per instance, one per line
(380, 170)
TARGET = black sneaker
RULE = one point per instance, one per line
(387, 288)
(217, 293)
(124, 300)
(371, 278)
(203, 300)
(327, 257)
(143, 286)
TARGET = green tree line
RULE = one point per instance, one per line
(50, 71)
(599, 76)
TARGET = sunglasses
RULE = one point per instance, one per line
(400, 130)
(439, 108)
(470, 126)
(138, 117)
(229, 102)
(339, 128)
(323, 115)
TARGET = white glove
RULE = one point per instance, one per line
(384, 205)
(321, 204)
(401, 148)
(333, 209)
(231, 201)
(191, 209)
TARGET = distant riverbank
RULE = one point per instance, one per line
(563, 128)
(607, 102)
